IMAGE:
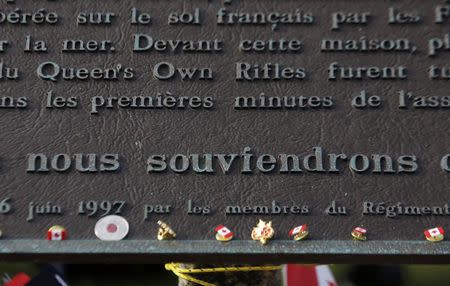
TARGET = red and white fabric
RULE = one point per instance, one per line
(305, 275)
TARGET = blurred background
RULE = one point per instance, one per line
(156, 275)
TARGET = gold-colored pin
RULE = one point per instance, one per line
(165, 232)
(359, 233)
(263, 232)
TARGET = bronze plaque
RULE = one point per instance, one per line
(333, 114)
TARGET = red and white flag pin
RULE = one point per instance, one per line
(359, 233)
(434, 234)
(223, 233)
(112, 228)
(299, 232)
(57, 232)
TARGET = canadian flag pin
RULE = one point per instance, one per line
(434, 234)
(299, 232)
(359, 233)
(57, 232)
(223, 233)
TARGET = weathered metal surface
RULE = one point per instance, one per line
(212, 252)
(198, 202)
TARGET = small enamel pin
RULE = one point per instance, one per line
(165, 232)
(359, 233)
(299, 232)
(263, 232)
(111, 228)
(56, 232)
(223, 233)
(434, 234)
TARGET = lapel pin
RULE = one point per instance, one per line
(359, 233)
(165, 232)
(434, 234)
(223, 233)
(56, 232)
(299, 232)
(263, 232)
(112, 228)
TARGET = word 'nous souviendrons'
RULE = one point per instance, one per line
(317, 161)
(246, 162)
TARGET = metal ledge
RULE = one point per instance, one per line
(244, 251)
